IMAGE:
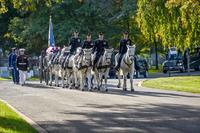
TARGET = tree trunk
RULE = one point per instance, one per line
(156, 52)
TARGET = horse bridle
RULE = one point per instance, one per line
(108, 58)
(87, 59)
(132, 61)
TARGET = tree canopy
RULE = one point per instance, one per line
(176, 23)
(24, 23)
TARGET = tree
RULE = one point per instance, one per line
(174, 23)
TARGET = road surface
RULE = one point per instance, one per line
(59, 110)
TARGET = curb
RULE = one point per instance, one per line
(28, 120)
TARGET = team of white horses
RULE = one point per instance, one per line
(76, 70)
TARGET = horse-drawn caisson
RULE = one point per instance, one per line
(77, 63)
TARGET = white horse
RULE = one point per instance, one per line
(69, 74)
(54, 69)
(127, 65)
(82, 68)
(102, 69)
(64, 53)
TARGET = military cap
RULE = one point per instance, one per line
(21, 49)
(100, 33)
(126, 32)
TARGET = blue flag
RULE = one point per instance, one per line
(51, 41)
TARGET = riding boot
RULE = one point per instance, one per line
(117, 67)
(119, 62)
(93, 67)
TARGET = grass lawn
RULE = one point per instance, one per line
(4, 78)
(11, 122)
(30, 79)
(184, 83)
(33, 79)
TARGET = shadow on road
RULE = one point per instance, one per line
(38, 86)
(112, 90)
(127, 118)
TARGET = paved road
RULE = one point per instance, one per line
(60, 110)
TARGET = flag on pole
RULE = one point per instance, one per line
(51, 41)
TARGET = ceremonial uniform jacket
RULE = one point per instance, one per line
(99, 46)
(87, 44)
(22, 62)
(74, 43)
(123, 45)
(12, 60)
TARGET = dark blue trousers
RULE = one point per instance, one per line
(15, 75)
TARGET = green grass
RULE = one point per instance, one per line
(33, 78)
(11, 122)
(30, 79)
(154, 71)
(4, 78)
(184, 83)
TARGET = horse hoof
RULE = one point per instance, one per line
(106, 90)
(118, 86)
(50, 84)
(124, 89)
(132, 90)
(82, 89)
(95, 88)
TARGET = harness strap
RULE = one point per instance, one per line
(127, 63)
(82, 67)
(102, 67)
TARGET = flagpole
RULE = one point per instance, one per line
(49, 31)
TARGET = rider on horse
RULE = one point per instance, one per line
(87, 44)
(98, 49)
(75, 42)
(123, 47)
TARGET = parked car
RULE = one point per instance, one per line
(174, 61)
(173, 65)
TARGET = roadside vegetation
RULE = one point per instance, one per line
(1, 78)
(183, 83)
(11, 122)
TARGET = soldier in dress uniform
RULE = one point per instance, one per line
(87, 44)
(41, 65)
(123, 47)
(98, 49)
(75, 42)
(12, 65)
(23, 66)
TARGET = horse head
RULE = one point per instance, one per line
(78, 50)
(107, 56)
(131, 52)
(87, 56)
